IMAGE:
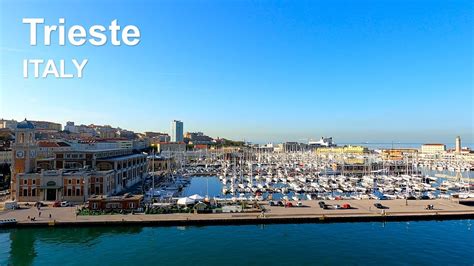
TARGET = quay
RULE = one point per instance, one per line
(310, 212)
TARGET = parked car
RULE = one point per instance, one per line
(288, 205)
(272, 203)
(57, 204)
(299, 204)
(280, 203)
(346, 206)
(65, 204)
(379, 205)
(322, 204)
(337, 206)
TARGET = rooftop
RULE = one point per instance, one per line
(25, 124)
(433, 144)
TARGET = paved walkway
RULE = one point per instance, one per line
(311, 209)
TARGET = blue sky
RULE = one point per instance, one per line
(376, 71)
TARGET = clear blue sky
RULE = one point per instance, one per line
(260, 70)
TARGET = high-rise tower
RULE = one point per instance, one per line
(176, 131)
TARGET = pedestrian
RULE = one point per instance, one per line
(50, 216)
(39, 214)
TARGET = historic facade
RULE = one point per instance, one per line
(71, 175)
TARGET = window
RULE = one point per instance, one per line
(25, 181)
(33, 192)
(34, 181)
(78, 192)
(69, 192)
(69, 181)
(131, 205)
(25, 192)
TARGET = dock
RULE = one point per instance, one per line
(310, 212)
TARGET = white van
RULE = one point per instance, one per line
(11, 205)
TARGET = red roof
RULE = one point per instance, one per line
(48, 144)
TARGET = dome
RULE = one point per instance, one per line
(25, 124)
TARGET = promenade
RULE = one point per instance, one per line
(362, 210)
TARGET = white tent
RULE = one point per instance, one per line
(185, 201)
(196, 197)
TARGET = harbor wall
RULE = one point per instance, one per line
(253, 220)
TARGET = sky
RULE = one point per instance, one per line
(261, 71)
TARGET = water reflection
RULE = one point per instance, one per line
(23, 241)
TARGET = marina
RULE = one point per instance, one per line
(307, 176)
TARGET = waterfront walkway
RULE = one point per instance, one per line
(362, 210)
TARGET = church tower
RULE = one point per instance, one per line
(24, 151)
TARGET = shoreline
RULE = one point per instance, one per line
(361, 211)
(250, 221)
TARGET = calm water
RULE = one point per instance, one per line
(403, 243)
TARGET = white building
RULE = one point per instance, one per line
(70, 127)
(323, 142)
(433, 148)
(176, 131)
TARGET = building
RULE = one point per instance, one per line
(158, 137)
(125, 202)
(458, 145)
(126, 134)
(197, 138)
(6, 157)
(47, 149)
(269, 147)
(11, 124)
(344, 150)
(161, 163)
(176, 131)
(45, 125)
(72, 174)
(293, 147)
(433, 148)
(71, 185)
(170, 147)
(323, 142)
(82, 130)
(70, 127)
(399, 154)
(24, 151)
(106, 132)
